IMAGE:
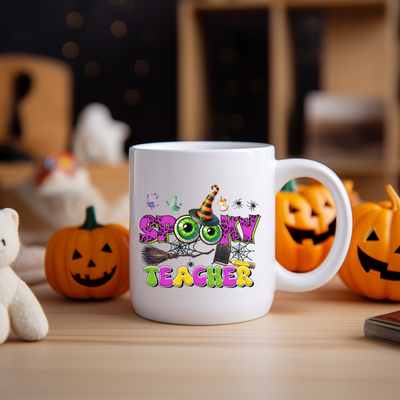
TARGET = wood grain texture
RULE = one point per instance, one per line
(310, 346)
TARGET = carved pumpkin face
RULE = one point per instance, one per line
(372, 265)
(305, 226)
(90, 261)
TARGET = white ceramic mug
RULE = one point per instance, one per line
(202, 230)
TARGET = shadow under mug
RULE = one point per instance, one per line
(202, 230)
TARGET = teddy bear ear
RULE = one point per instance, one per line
(12, 213)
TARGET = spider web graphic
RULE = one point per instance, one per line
(185, 249)
(240, 252)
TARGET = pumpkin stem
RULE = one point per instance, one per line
(393, 197)
(90, 222)
(290, 186)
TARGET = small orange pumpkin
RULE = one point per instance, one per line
(90, 261)
(305, 226)
(372, 265)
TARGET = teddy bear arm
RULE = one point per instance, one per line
(4, 323)
(27, 317)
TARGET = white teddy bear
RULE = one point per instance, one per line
(19, 308)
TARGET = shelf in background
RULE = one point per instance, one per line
(359, 57)
(215, 5)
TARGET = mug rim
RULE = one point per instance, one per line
(198, 146)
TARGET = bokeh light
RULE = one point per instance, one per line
(141, 67)
(311, 25)
(74, 20)
(118, 28)
(132, 97)
(70, 50)
(92, 69)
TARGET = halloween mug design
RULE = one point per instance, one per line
(206, 262)
(231, 234)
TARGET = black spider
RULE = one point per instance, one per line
(252, 205)
(238, 203)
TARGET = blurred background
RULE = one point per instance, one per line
(318, 79)
(122, 53)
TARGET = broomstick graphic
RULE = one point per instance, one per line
(153, 256)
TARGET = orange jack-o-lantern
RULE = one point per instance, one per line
(372, 265)
(91, 261)
(305, 226)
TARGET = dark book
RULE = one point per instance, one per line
(384, 327)
(222, 254)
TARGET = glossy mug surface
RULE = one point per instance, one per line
(202, 230)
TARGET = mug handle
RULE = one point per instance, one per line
(289, 169)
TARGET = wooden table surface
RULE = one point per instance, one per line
(310, 346)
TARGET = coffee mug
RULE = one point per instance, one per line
(202, 230)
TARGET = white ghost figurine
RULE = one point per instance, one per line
(98, 138)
